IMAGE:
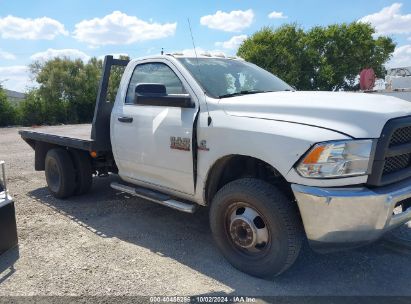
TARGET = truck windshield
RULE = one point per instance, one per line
(222, 78)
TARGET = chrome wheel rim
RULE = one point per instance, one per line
(247, 229)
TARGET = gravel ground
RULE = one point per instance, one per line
(106, 243)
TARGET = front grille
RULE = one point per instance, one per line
(392, 159)
(396, 163)
(401, 136)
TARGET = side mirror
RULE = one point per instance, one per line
(155, 94)
(144, 89)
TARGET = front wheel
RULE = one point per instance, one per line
(256, 227)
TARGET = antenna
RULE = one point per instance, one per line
(198, 67)
(192, 40)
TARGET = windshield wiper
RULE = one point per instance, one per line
(242, 93)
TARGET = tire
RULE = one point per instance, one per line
(83, 171)
(60, 174)
(280, 230)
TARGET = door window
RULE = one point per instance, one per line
(154, 73)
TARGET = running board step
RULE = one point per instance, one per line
(156, 197)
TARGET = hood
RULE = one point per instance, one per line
(359, 115)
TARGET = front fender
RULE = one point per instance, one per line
(280, 144)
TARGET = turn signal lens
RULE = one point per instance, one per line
(314, 155)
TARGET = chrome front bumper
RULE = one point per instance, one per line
(338, 218)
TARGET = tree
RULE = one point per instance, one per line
(32, 109)
(8, 114)
(279, 52)
(322, 58)
(68, 88)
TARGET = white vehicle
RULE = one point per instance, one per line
(275, 165)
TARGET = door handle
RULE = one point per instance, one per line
(125, 119)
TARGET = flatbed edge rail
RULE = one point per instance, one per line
(32, 136)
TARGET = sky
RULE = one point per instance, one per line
(40, 30)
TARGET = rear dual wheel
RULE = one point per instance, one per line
(68, 173)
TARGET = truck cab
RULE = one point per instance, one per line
(151, 129)
(274, 165)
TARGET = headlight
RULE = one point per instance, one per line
(337, 159)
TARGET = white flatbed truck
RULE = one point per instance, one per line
(275, 165)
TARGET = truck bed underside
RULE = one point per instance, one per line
(73, 136)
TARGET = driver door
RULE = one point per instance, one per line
(153, 143)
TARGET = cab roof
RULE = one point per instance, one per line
(202, 55)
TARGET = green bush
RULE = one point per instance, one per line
(8, 114)
(32, 110)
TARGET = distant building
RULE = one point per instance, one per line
(14, 97)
